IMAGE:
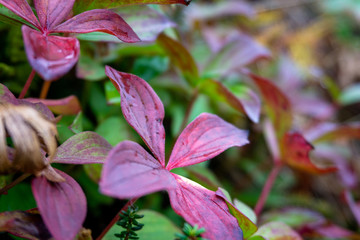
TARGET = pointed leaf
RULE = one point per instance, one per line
(235, 55)
(295, 152)
(24, 224)
(83, 5)
(83, 148)
(180, 57)
(65, 106)
(10, 17)
(246, 101)
(198, 205)
(50, 56)
(99, 20)
(331, 131)
(277, 231)
(129, 171)
(142, 109)
(62, 205)
(204, 138)
(52, 12)
(247, 226)
(277, 105)
(23, 10)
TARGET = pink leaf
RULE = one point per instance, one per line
(142, 109)
(99, 20)
(295, 152)
(22, 9)
(331, 131)
(51, 56)
(129, 171)
(198, 205)
(52, 12)
(83, 148)
(62, 205)
(65, 106)
(204, 138)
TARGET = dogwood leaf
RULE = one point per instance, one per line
(83, 148)
(295, 152)
(26, 225)
(331, 131)
(198, 205)
(277, 231)
(277, 105)
(50, 56)
(62, 205)
(204, 138)
(52, 12)
(65, 106)
(129, 171)
(99, 20)
(22, 9)
(142, 109)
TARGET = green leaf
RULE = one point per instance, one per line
(277, 231)
(246, 210)
(156, 226)
(181, 58)
(77, 124)
(9, 17)
(350, 95)
(112, 94)
(114, 130)
(18, 198)
(90, 69)
(84, 5)
(150, 67)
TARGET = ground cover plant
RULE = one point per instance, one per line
(259, 139)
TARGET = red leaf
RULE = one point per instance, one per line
(198, 205)
(51, 56)
(295, 152)
(65, 106)
(99, 20)
(204, 138)
(83, 148)
(142, 109)
(129, 171)
(277, 104)
(24, 224)
(22, 9)
(62, 205)
(52, 12)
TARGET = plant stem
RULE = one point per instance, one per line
(27, 84)
(45, 89)
(189, 108)
(353, 206)
(12, 184)
(116, 218)
(267, 187)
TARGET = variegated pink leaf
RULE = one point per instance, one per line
(61, 205)
(50, 56)
(99, 20)
(83, 148)
(52, 12)
(64, 106)
(204, 138)
(23, 10)
(142, 109)
(129, 171)
(198, 205)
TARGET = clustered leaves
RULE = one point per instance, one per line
(191, 233)
(129, 221)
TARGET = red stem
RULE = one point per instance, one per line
(116, 218)
(27, 84)
(45, 89)
(267, 188)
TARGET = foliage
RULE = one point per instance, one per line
(128, 220)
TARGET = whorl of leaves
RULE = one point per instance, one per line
(190, 233)
(128, 220)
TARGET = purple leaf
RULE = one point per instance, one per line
(129, 171)
(99, 20)
(62, 205)
(52, 12)
(24, 224)
(22, 9)
(142, 109)
(65, 106)
(331, 131)
(236, 54)
(277, 231)
(83, 148)
(198, 205)
(51, 56)
(204, 138)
